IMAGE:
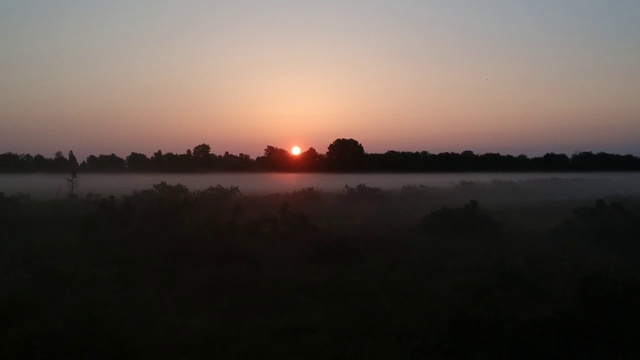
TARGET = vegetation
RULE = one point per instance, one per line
(417, 273)
(343, 155)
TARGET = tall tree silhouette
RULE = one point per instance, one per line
(274, 159)
(310, 160)
(60, 162)
(202, 151)
(73, 161)
(138, 162)
(202, 157)
(345, 154)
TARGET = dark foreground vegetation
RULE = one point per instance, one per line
(417, 273)
(343, 155)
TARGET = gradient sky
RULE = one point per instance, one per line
(502, 76)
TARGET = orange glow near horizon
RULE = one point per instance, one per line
(296, 150)
(431, 76)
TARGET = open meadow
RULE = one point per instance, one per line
(476, 270)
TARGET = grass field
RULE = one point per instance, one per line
(463, 272)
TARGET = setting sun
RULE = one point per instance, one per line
(296, 150)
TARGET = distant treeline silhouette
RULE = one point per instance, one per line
(343, 155)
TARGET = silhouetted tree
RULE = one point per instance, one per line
(157, 161)
(39, 162)
(588, 161)
(394, 161)
(73, 183)
(554, 162)
(241, 162)
(60, 163)
(202, 157)
(469, 161)
(104, 163)
(524, 163)
(202, 151)
(584, 161)
(345, 154)
(342, 155)
(274, 159)
(309, 160)
(171, 162)
(73, 161)
(497, 162)
(138, 162)
(447, 161)
(9, 162)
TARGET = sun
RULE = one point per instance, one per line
(296, 150)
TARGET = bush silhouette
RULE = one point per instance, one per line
(469, 219)
(363, 192)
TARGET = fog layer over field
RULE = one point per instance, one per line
(533, 186)
(503, 269)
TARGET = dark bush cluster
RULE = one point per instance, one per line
(365, 273)
(468, 220)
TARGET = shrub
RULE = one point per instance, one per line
(469, 219)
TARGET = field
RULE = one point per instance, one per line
(478, 270)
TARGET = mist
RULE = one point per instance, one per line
(491, 187)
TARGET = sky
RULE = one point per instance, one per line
(515, 77)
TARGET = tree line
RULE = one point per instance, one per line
(342, 155)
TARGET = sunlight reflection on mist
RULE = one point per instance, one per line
(560, 185)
